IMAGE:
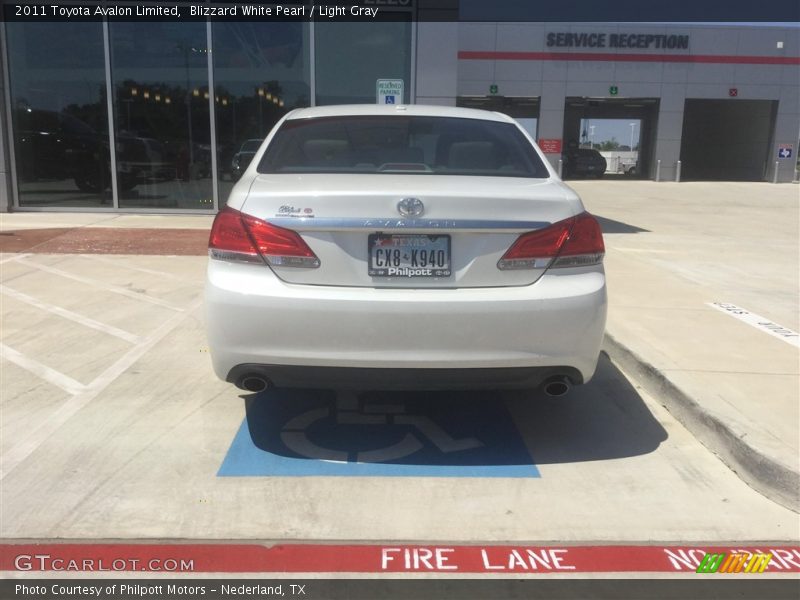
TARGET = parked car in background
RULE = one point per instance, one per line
(57, 146)
(143, 160)
(583, 162)
(404, 247)
(242, 158)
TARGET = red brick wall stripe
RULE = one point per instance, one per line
(614, 57)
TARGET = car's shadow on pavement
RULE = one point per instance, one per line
(431, 429)
(605, 419)
(612, 226)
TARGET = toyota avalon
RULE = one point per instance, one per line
(404, 247)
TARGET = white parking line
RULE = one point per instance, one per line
(36, 437)
(100, 284)
(66, 383)
(118, 264)
(68, 314)
(13, 257)
(759, 322)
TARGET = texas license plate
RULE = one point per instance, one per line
(409, 255)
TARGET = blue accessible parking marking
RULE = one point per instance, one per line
(423, 434)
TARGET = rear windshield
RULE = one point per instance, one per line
(401, 144)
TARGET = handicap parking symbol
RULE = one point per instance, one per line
(389, 99)
(785, 151)
(327, 433)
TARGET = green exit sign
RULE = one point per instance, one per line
(613, 90)
(493, 89)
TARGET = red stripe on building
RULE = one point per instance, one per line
(613, 57)
(336, 558)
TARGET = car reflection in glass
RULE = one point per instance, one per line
(242, 158)
(58, 146)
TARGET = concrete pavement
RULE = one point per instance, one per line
(673, 250)
(114, 427)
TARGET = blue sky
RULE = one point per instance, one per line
(605, 129)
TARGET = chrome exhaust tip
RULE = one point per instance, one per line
(254, 383)
(556, 387)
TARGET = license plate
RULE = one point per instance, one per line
(409, 255)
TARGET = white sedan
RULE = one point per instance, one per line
(404, 247)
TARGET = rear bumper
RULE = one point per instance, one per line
(289, 376)
(515, 333)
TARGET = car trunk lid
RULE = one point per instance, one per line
(341, 216)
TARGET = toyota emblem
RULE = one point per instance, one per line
(410, 207)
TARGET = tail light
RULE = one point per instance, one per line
(240, 237)
(573, 242)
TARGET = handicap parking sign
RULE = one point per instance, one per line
(785, 150)
(327, 433)
(389, 91)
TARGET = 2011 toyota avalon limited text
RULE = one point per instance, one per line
(404, 247)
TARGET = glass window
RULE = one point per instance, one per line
(616, 139)
(60, 121)
(525, 109)
(261, 71)
(159, 73)
(352, 56)
(394, 144)
(531, 126)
